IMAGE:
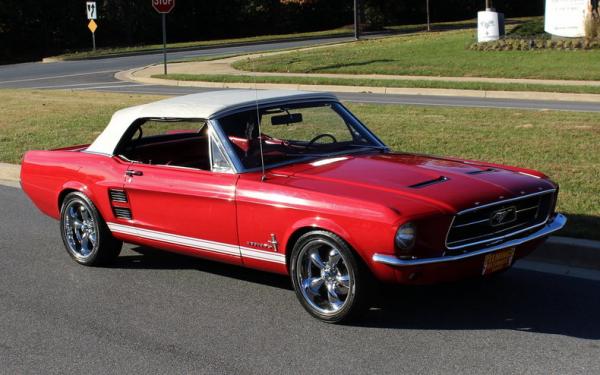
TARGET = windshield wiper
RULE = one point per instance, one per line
(310, 155)
(371, 147)
(358, 149)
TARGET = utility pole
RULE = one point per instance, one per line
(428, 17)
(356, 19)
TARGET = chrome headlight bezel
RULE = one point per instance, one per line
(406, 236)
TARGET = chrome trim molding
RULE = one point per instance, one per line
(555, 224)
(219, 136)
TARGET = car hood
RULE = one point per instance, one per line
(449, 184)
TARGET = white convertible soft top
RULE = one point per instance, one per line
(204, 105)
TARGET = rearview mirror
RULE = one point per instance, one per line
(290, 118)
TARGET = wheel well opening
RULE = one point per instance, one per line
(301, 231)
(292, 241)
(62, 196)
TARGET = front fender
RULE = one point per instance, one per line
(320, 223)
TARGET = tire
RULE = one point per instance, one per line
(330, 281)
(85, 235)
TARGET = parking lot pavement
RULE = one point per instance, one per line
(159, 312)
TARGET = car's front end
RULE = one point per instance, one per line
(316, 182)
(480, 240)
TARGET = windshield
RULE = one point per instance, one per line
(295, 132)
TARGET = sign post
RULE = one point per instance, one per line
(164, 7)
(357, 19)
(92, 15)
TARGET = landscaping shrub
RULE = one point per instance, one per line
(511, 44)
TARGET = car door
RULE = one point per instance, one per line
(184, 209)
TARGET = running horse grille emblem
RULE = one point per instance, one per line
(503, 216)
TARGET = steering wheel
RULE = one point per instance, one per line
(324, 135)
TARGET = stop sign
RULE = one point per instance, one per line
(163, 6)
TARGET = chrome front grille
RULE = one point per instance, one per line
(497, 221)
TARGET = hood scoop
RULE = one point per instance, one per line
(482, 171)
(423, 184)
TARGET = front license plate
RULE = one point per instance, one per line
(498, 261)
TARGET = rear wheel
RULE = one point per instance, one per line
(330, 281)
(85, 234)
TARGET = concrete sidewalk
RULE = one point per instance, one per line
(10, 172)
(224, 67)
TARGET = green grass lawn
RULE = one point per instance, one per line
(561, 144)
(200, 43)
(51, 119)
(107, 51)
(402, 83)
(432, 54)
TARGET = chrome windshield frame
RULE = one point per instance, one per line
(237, 163)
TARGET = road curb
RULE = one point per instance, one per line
(572, 252)
(517, 95)
(10, 172)
(130, 75)
(52, 59)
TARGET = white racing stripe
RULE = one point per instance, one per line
(217, 247)
(262, 255)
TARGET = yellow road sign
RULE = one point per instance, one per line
(92, 26)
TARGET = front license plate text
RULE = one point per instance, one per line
(498, 261)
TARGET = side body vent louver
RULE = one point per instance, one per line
(120, 204)
(122, 213)
(117, 195)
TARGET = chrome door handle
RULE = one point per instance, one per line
(132, 173)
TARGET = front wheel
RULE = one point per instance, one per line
(85, 234)
(330, 281)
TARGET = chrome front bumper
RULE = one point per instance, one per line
(554, 224)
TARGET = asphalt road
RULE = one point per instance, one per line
(163, 313)
(99, 75)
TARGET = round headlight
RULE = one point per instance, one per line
(406, 236)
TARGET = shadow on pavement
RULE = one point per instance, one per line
(581, 226)
(516, 300)
(149, 258)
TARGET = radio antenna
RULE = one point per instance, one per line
(262, 158)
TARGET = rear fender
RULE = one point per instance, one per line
(74, 186)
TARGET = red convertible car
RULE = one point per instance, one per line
(293, 183)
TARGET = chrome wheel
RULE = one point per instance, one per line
(80, 229)
(323, 276)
